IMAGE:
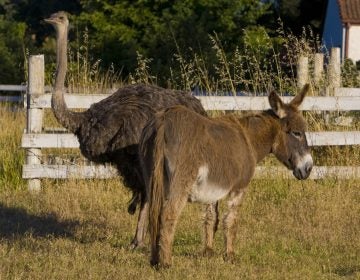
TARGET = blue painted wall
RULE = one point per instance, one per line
(333, 30)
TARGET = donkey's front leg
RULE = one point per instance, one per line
(230, 221)
(170, 213)
(211, 221)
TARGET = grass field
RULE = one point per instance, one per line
(80, 230)
(77, 229)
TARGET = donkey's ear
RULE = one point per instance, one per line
(298, 99)
(277, 105)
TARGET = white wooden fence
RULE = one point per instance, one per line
(13, 88)
(34, 139)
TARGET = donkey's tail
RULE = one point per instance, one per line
(155, 191)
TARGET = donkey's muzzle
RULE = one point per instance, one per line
(304, 171)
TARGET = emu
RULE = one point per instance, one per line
(189, 157)
(109, 131)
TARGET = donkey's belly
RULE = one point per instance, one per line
(207, 194)
(204, 191)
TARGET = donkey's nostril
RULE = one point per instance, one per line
(308, 167)
(303, 167)
(288, 163)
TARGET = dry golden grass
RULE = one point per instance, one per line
(11, 155)
(79, 229)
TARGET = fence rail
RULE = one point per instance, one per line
(35, 138)
(67, 140)
(36, 171)
(241, 103)
(347, 101)
(12, 88)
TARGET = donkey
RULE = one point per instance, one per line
(189, 157)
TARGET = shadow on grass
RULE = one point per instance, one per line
(347, 270)
(16, 222)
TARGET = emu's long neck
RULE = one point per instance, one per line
(262, 131)
(70, 120)
(61, 60)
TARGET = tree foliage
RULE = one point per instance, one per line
(11, 46)
(22, 31)
(119, 31)
(158, 28)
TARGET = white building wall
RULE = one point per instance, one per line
(354, 43)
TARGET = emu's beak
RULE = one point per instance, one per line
(50, 20)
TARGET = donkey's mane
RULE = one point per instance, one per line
(245, 119)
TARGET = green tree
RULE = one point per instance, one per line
(33, 12)
(158, 29)
(22, 31)
(11, 46)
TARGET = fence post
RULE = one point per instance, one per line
(334, 76)
(302, 71)
(318, 68)
(334, 69)
(34, 115)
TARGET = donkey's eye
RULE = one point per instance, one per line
(296, 134)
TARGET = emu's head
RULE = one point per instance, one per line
(290, 145)
(59, 20)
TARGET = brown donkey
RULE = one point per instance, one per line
(189, 157)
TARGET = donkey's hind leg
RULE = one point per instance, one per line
(170, 213)
(230, 222)
(211, 222)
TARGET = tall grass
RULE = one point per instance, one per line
(142, 72)
(12, 124)
(262, 63)
(259, 65)
(85, 74)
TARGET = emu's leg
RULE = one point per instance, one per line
(211, 221)
(230, 221)
(135, 200)
(141, 227)
(170, 213)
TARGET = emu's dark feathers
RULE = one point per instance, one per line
(117, 121)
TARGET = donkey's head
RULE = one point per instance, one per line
(290, 145)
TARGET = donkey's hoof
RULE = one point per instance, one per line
(136, 245)
(157, 264)
(208, 252)
(229, 257)
(161, 266)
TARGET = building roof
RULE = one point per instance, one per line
(350, 11)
